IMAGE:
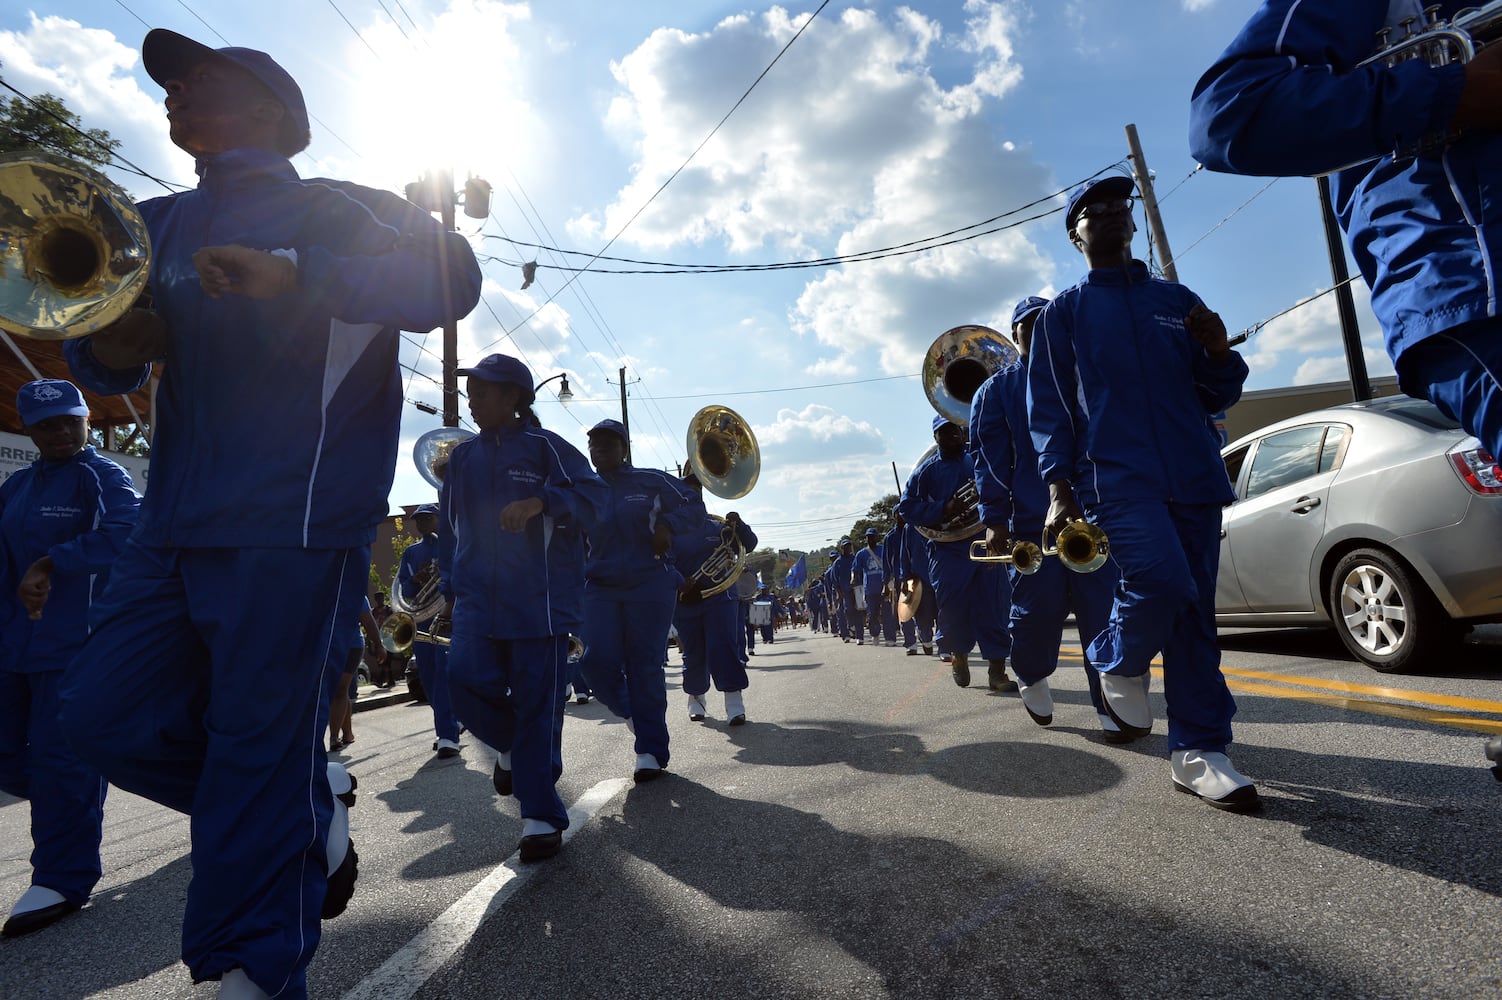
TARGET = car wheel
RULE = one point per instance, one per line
(1385, 615)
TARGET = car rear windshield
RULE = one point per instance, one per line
(1419, 411)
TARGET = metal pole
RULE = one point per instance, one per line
(443, 186)
(625, 420)
(1144, 180)
(1350, 333)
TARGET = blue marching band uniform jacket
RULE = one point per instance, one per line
(79, 511)
(510, 584)
(698, 543)
(1121, 391)
(1287, 98)
(1012, 494)
(310, 467)
(620, 555)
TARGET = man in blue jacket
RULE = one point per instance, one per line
(63, 520)
(843, 571)
(276, 303)
(1013, 502)
(1124, 375)
(973, 598)
(419, 570)
(1288, 97)
(870, 574)
(631, 590)
(834, 598)
(707, 625)
(912, 570)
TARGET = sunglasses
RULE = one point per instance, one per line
(1112, 207)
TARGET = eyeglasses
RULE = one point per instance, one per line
(1112, 207)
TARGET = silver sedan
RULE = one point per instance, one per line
(1382, 519)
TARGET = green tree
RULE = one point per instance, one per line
(880, 517)
(45, 123)
(399, 543)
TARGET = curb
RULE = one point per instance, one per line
(380, 698)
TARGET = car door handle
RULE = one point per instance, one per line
(1304, 505)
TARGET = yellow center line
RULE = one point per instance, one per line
(1410, 705)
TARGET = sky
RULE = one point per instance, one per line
(602, 127)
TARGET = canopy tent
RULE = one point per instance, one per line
(23, 359)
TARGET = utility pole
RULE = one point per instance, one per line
(1345, 302)
(1144, 181)
(625, 420)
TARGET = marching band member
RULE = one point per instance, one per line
(346, 663)
(1149, 364)
(419, 570)
(972, 597)
(912, 566)
(871, 575)
(1013, 501)
(815, 600)
(277, 304)
(515, 504)
(1288, 98)
(631, 589)
(854, 618)
(707, 625)
(834, 598)
(63, 520)
(769, 627)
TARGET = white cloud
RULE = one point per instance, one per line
(849, 144)
(1195, 6)
(1314, 329)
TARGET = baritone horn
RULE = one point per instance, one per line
(1025, 557)
(1081, 546)
(74, 251)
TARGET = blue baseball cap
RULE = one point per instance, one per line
(940, 420)
(845, 541)
(168, 55)
(49, 397)
(833, 554)
(1027, 307)
(427, 508)
(871, 531)
(1115, 186)
(503, 369)
(609, 426)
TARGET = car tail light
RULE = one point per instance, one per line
(1478, 470)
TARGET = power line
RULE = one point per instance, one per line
(1235, 212)
(765, 392)
(637, 214)
(1256, 328)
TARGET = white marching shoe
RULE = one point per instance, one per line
(343, 862)
(696, 708)
(236, 985)
(1038, 700)
(1127, 702)
(735, 708)
(1209, 775)
(38, 907)
(647, 768)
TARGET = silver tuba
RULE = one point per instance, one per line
(957, 362)
(74, 251)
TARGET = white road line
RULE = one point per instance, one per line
(405, 972)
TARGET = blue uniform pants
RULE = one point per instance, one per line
(1041, 602)
(1461, 373)
(174, 698)
(509, 692)
(974, 602)
(1168, 554)
(433, 670)
(67, 795)
(849, 616)
(706, 637)
(747, 634)
(881, 615)
(623, 639)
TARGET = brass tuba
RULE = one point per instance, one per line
(956, 364)
(74, 251)
(722, 452)
(720, 569)
(431, 452)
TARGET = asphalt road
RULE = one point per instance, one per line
(876, 832)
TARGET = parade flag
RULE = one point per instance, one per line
(798, 575)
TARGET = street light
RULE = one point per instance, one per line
(565, 394)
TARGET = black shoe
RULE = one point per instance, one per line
(582, 699)
(1239, 800)
(739, 720)
(996, 676)
(642, 775)
(445, 749)
(501, 779)
(961, 672)
(35, 920)
(540, 846)
(341, 882)
(912, 651)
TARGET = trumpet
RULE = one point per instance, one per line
(576, 648)
(1439, 42)
(1081, 546)
(399, 631)
(1025, 557)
